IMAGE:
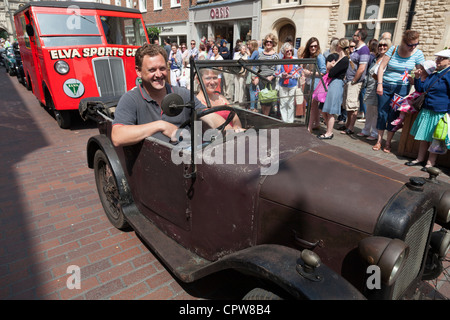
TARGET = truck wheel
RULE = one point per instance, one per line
(62, 118)
(261, 294)
(108, 191)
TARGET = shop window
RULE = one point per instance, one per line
(374, 15)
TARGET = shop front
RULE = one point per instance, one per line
(229, 20)
(176, 32)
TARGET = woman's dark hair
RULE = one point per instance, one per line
(306, 53)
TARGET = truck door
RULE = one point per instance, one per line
(35, 70)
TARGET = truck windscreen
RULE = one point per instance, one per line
(123, 31)
(68, 29)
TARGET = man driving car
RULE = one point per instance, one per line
(139, 115)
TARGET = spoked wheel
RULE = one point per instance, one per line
(261, 294)
(108, 191)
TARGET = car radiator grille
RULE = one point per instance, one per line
(416, 238)
(110, 76)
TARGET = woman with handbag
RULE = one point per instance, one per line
(312, 50)
(335, 94)
(393, 75)
(435, 106)
(267, 71)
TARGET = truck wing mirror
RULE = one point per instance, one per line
(30, 30)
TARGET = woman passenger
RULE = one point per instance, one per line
(210, 80)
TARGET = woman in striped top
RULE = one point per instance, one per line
(393, 78)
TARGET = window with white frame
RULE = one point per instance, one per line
(288, 1)
(175, 3)
(143, 5)
(376, 16)
(157, 4)
(129, 3)
(119, 3)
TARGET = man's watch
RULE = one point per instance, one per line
(353, 82)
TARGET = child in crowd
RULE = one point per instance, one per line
(405, 106)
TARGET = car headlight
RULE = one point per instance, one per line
(443, 209)
(61, 67)
(440, 242)
(388, 254)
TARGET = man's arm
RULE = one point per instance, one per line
(123, 135)
(359, 72)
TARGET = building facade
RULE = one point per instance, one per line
(7, 9)
(230, 20)
(325, 19)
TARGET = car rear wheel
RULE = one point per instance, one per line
(261, 294)
(108, 191)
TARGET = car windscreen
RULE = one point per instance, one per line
(59, 30)
(123, 31)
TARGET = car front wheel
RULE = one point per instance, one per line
(108, 191)
(261, 294)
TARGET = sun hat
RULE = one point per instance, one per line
(429, 66)
(443, 53)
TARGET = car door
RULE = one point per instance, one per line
(161, 187)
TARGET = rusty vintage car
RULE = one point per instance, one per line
(356, 230)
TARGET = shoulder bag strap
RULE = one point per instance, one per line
(437, 80)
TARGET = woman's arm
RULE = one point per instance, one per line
(381, 68)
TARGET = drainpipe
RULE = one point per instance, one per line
(411, 14)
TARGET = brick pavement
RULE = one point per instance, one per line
(51, 217)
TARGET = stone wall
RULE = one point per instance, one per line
(430, 20)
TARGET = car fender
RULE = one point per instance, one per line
(102, 142)
(319, 283)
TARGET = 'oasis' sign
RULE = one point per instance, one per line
(220, 13)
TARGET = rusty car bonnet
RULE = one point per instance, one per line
(321, 180)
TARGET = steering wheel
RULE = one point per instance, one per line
(212, 110)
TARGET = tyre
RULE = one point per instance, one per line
(261, 294)
(63, 118)
(108, 191)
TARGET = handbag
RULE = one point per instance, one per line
(441, 131)
(417, 103)
(438, 147)
(319, 93)
(267, 96)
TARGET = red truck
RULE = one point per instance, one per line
(75, 50)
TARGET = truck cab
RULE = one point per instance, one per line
(75, 50)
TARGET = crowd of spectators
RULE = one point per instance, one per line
(366, 80)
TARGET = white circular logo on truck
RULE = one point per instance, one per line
(73, 88)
